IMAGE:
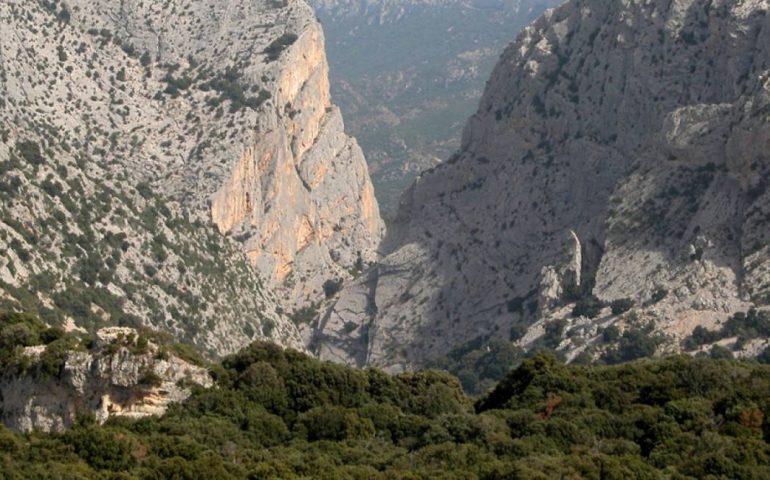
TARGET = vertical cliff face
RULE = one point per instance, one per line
(282, 178)
(408, 73)
(154, 152)
(300, 197)
(641, 128)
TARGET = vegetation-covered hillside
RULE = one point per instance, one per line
(98, 134)
(281, 414)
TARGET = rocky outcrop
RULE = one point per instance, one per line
(557, 280)
(300, 197)
(147, 169)
(643, 128)
(122, 376)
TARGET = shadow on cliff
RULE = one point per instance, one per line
(498, 289)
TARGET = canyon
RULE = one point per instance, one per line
(408, 73)
(198, 180)
(619, 155)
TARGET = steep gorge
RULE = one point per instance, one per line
(408, 73)
(640, 128)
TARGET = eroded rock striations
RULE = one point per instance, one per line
(151, 149)
(642, 129)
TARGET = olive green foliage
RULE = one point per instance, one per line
(277, 46)
(229, 86)
(30, 151)
(744, 326)
(480, 363)
(281, 414)
(588, 306)
(332, 287)
(621, 306)
(304, 315)
(18, 330)
(635, 343)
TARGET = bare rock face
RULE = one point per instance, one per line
(154, 152)
(557, 280)
(300, 197)
(642, 127)
(120, 376)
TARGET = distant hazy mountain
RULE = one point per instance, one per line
(408, 73)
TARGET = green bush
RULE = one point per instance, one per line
(230, 88)
(150, 379)
(145, 60)
(611, 334)
(280, 414)
(332, 287)
(634, 344)
(719, 352)
(701, 336)
(554, 330)
(621, 306)
(334, 423)
(30, 151)
(749, 325)
(589, 306)
(101, 448)
(480, 363)
(278, 45)
(53, 359)
(304, 315)
(657, 296)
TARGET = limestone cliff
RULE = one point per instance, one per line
(151, 150)
(640, 127)
(123, 374)
(281, 177)
(300, 197)
(408, 73)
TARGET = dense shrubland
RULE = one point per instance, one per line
(281, 414)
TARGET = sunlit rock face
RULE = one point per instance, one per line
(176, 164)
(300, 197)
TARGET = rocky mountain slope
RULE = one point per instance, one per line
(148, 145)
(620, 154)
(408, 73)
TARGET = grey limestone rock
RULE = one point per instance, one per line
(641, 126)
(177, 164)
(116, 378)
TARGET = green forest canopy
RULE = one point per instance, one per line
(281, 414)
